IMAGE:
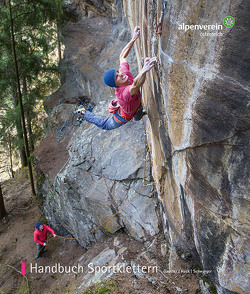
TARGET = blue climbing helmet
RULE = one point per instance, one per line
(38, 225)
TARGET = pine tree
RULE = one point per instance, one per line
(3, 212)
(20, 100)
(35, 37)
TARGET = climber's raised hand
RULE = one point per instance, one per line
(149, 63)
(140, 79)
(127, 48)
(136, 33)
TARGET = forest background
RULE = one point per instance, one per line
(30, 55)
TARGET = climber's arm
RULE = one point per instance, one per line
(127, 48)
(140, 79)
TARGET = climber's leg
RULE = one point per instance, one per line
(109, 123)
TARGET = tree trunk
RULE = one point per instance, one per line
(58, 18)
(21, 102)
(29, 126)
(3, 212)
(22, 153)
(10, 154)
(59, 43)
(28, 116)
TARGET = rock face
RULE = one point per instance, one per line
(105, 172)
(197, 100)
(198, 106)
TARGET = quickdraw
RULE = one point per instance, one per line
(159, 27)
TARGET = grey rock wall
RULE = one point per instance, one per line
(198, 104)
(106, 170)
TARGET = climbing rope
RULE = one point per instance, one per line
(64, 129)
(25, 286)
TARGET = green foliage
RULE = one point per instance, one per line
(107, 286)
(36, 39)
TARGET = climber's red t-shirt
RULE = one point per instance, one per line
(129, 104)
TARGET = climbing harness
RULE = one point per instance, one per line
(159, 27)
(113, 106)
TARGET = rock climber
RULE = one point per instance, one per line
(128, 105)
(40, 236)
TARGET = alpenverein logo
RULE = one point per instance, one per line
(228, 21)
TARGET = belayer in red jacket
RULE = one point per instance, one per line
(40, 236)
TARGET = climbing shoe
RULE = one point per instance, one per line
(80, 119)
(80, 110)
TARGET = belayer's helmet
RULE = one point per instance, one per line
(38, 225)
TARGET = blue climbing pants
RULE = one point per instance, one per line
(111, 122)
(39, 247)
